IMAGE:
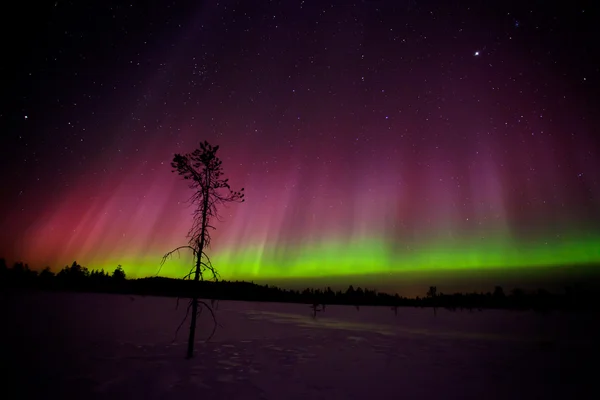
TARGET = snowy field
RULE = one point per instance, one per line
(96, 346)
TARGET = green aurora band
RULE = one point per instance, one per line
(376, 256)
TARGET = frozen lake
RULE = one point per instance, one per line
(98, 346)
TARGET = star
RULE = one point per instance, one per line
(476, 53)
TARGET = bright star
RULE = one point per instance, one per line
(476, 53)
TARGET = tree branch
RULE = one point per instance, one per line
(187, 312)
(213, 317)
(170, 255)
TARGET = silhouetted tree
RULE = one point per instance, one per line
(203, 169)
(74, 276)
(432, 294)
(21, 275)
(46, 277)
(118, 274)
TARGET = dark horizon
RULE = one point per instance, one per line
(76, 278)
(551, 278)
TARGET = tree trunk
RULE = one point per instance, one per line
(190, 348)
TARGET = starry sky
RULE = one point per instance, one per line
(377, 141)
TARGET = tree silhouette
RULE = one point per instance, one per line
(204, 170)
(46, 275)
(432, 294)
(73, 276)
(118, 274)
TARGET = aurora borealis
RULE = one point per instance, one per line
(383, 137)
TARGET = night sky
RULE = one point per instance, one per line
(377, 141)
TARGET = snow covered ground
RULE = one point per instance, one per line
(96, 346)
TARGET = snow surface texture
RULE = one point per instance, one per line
(97, 346)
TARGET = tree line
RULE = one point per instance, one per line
(78, 278)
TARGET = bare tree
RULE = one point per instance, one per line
(203, 169)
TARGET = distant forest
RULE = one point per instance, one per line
(79, 279)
